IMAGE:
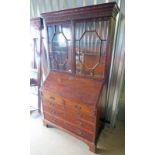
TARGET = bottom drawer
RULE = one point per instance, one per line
(78, 131)
(80, 123)
(53, 119)
(64, 124)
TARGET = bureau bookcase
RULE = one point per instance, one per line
(79, 45)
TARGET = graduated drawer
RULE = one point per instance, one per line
(53, 111)
(80, 115)
(69, 127)
(87, 135)
(52, 98)
(51, 118)
(53, 104)
(79, 107)
(80, 123)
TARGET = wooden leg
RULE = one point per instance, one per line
(45, 124)
(92, 147)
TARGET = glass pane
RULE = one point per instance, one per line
(51, 31)
(60, 47)
(90, 47)
(66, 31)
(102, 29)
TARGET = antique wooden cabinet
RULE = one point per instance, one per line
(79, 46)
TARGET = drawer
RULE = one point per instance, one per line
(68, 126)
(81, 124)
(80, 116)
(51, 97)
(53, 119)
(79, 107)
(53, 104)
(78, 131)
(53, 111)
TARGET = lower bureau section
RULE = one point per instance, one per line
(70, 127)
(72, 103)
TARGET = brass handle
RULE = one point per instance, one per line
(53, 98)
(78, 107)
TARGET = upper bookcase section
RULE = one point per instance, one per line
(94, 11)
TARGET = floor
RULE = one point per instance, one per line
(52, 141)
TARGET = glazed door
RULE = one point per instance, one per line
(59, 45)
(90, 47)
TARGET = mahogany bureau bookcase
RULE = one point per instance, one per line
(79, 46)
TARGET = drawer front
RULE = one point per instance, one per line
(80, 116)
(53, 104)
(69, 127)
(53, 98)
(81, 123)
(54, 111)
(79, 107)
(79, 131)
(53, 119)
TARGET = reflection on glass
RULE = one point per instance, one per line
(59, 49)
(59, 46)
(67, 33)
(90, 45)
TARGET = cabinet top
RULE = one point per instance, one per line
(74, 88)
(93, 11)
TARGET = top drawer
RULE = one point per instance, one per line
(51, 97)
